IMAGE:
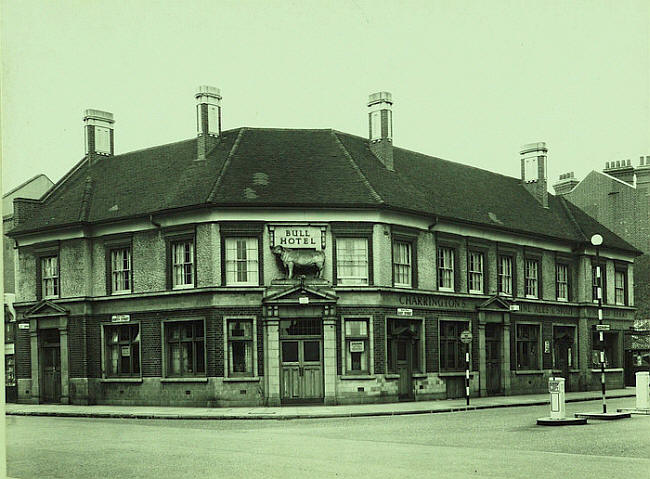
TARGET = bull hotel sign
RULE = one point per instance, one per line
(298, 236)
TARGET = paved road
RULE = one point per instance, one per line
(488, 443)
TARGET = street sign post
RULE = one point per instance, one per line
(466, 339)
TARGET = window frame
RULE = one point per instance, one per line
(457, 343)
(256, 277)
(500, 275)
(109, 248)
(518, 340)
(165, 325)
(411, 240)
(528, 260)
(482, 255)
(227, 374)
(368, 345)
(173, 237)
(352, 230)
(566, 283)
(41, 279)
(104, 351)
(242, 229)
(442, 268)
(622, 270)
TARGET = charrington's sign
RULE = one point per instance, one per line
(432, 301)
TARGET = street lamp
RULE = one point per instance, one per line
(596, 241)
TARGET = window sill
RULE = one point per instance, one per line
(121, 380)
(475, 292)
(242, 285)
(446, 290)
(531, 297)
(558, 371)
(185, 286)
(121, 293)
(607, 370)
(455, 373)
(413, 375)
(243, 379)
(529, 371)
(199, 379)
(352, 377)
(391, 376)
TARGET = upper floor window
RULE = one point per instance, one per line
(562, 281)
(50, 276)
(121, 270)
(531, 274)
(402, 263)
(475, 272)
(185, 349)
(242, 261)
(182, 264)
(620, 288)
(352, 261)
(445, 269)
(505, 275)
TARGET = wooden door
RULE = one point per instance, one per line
(493, 355)
(50, 367)
(302, 370)
(404, 367)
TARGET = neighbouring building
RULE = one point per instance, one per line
(272, 266)
(619, 198)
(33, 188)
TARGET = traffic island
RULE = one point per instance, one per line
(558, 415)
(606, 416)
(565, 421)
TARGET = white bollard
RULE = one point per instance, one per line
(642, 391)
(556, 388)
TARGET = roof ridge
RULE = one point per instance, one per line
(266, 128)
(226, 164)
(355, 167)
(572, 218)
(63, 179)
(86, 199)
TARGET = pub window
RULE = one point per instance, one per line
(240, 347)
(445, 269)
(352, 261)
(357, 349)
(183, 264)
(531, 275)
(620, 287)
(452, 350)
(50, 277)
(505, 275)
(528, 347)
(121, 270)
(242, 261)
(122, 350)
(402, 264)
(562, 281)
(610, 346)
(185, 348)
(475, 272)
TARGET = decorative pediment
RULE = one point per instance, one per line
(300, 294)
(45, 309)
(496, 303)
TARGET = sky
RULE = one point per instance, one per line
(472, 81)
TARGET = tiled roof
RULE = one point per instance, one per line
(308, 168)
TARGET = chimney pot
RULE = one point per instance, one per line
(533, 170)
(98, 134)
(208, 119)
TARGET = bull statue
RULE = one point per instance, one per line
(299, 257)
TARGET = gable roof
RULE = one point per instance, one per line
(261, 167)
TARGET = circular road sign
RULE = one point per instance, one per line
(466, 337)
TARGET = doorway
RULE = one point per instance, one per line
(50, 360)
(493, 358)
(301, 358)
(403, 354)
(563, 351)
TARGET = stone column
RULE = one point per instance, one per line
(505, 368)
(33, 346)
(63, 344)
(482, 368)
(272, 361)
(329, 358)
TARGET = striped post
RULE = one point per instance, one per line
(467, 373)
(600, 333)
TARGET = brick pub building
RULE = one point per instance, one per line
(154, 277)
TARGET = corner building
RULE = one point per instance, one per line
(156, 277)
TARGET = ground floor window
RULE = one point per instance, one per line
(564, 347)
(357, 349)
(240, 347)
(404, 345)
(185, 341)
(122, 350)
(452, 350)
(610, 346)
(527, 339)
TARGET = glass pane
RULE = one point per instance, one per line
(200, 357)
(240, 329)
(241, 356)
(311, 351)
(401, 351)
(290, 351)
(356, 328)
(174, 358)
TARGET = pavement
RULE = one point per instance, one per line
(302, 412)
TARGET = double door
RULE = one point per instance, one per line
(302, 370)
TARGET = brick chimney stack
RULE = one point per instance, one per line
(380, 122)
(643, 171)
(533, 171)
(208, 119)
(98, 134)
(622, 170)
(566, 183)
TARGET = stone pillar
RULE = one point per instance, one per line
(63, 344)
(505, 368)
(482, 368)
(272, 361)
(329, 358)
(33, 346)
